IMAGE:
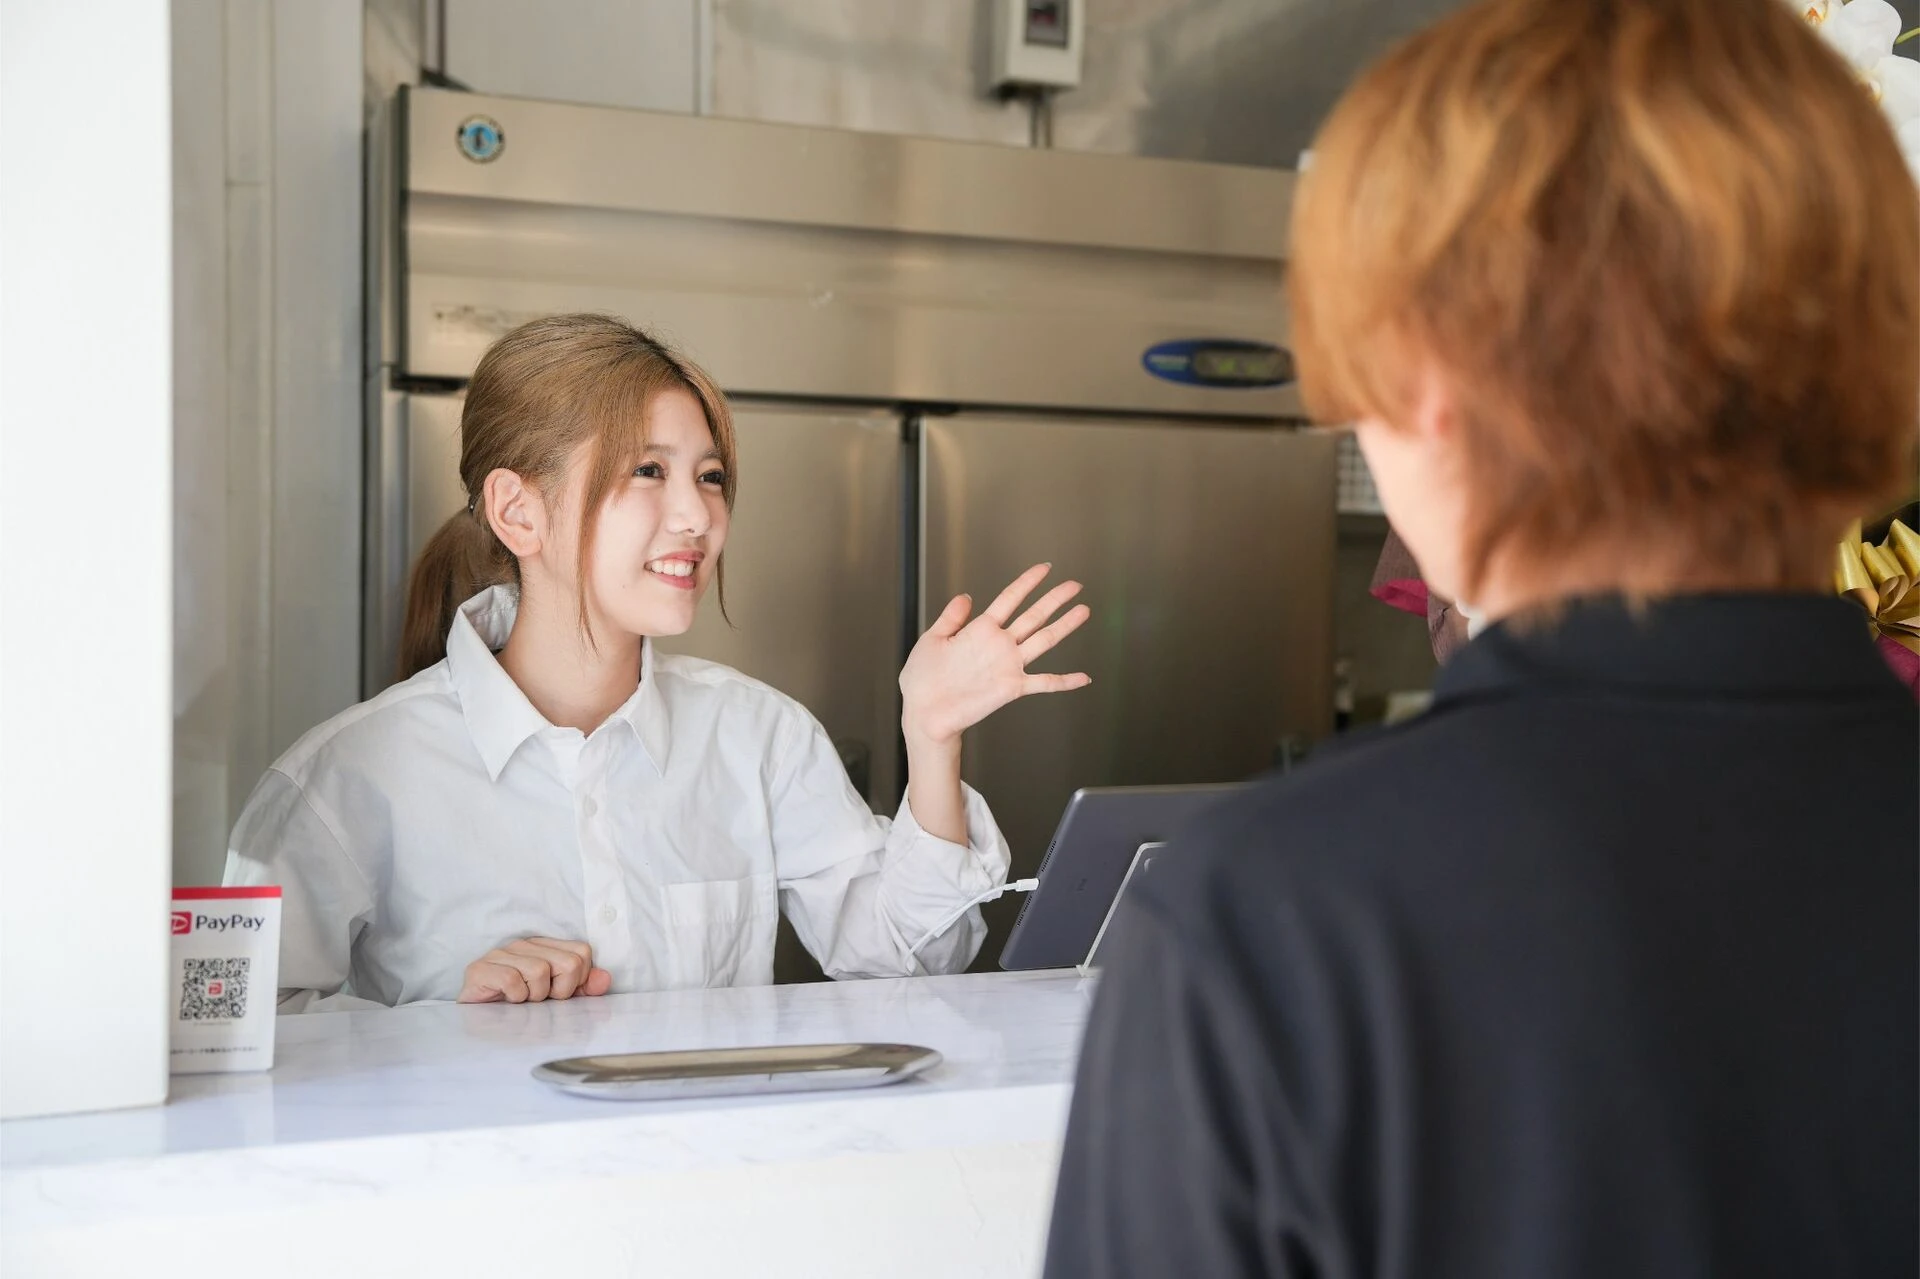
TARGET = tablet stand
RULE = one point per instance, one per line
(1088, 965)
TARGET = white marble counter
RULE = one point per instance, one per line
(417, 1137)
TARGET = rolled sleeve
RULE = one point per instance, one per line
(926, 878)
(860, 889)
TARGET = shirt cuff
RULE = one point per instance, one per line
(928, 878)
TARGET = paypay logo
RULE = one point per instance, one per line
(185, 922)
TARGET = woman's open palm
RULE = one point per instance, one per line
(963, 671)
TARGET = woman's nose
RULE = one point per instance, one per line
(686, 513)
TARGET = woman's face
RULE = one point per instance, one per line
(658, 542)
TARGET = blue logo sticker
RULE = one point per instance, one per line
(1226, 363)
(481, 138)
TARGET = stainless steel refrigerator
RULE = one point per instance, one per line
(949, 361)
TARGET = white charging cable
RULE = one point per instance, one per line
(1017, 886)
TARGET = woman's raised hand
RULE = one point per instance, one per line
(963, 671)
(533, 969)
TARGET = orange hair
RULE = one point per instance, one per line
(1666, 255)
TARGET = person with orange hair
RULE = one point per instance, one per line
(1622, 298)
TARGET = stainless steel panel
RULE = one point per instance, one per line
(1227, 81)
(880, 65)
(1207, 554)
(655, 162)
(813, 577)
(801, 311)
(413, 487)
(1232, 81)
(761, 261)
(434, 493)
(391, 544)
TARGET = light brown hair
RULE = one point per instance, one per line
(537, 395)
(1666, 254)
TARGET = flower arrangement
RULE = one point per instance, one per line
(1864, 32)
(1883, 578)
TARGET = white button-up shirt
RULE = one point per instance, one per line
(417, 831)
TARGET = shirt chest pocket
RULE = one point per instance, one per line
(720, 932)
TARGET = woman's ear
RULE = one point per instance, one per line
(1434, 414)
(515, 511)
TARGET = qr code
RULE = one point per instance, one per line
(214, 990)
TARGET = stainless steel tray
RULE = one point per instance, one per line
(723, 1072)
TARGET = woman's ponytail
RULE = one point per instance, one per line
(460, 560)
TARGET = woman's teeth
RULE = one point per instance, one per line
(672, 568)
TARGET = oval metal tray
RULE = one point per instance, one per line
(724, 1072)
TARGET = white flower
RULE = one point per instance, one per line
(1895, 85)
(1862, 31)
(1909, 136)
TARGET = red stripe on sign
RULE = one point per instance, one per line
(222, 894)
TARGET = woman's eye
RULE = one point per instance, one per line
(716, 478)
(649, 471)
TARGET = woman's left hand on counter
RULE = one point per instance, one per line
(962, 671)
(533, 969)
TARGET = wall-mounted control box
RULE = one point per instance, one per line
(1037, 44)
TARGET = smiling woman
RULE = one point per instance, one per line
(546, 807)
(540, 400)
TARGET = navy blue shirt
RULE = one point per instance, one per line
(1607, 966)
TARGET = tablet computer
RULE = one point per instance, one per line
(1095, 845)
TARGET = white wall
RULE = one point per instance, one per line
(85, 452)
(613, 53)
(267, 463)
(874, 65)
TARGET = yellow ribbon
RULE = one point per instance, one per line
(1884, 580)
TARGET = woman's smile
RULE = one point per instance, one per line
(681, 570)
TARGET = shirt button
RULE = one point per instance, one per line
(608, 914)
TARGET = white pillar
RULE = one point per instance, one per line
(86, 527)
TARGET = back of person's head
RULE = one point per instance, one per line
(551, 390)
(1664, 253)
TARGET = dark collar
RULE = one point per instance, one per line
(1757, 645)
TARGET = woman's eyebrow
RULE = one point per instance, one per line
(668, 451)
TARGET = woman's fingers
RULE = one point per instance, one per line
(1047, 636)
(488, 982)
(1001, 610)
(568, 962)
(1035, 617)
(536, 972)
(1054, 683)
(952, 617)
(533, 969)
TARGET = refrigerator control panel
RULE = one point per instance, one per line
(1220, 362)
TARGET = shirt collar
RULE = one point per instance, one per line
(1728, 645)
(498, 715)
(646, 711)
